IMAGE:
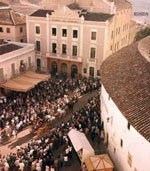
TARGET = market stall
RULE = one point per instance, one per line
(99, 163)
(81, 144)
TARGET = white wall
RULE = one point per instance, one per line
(133, 142)
(15, 57)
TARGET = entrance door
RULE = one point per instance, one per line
(74, 70)
(38, 63)
(13, 69)
(54, 68)
(64, 68)
(1, 75)
(91, 72)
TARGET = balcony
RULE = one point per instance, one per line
(64, 57)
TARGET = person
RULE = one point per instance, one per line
(83, 167)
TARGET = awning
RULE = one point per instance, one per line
(81, 144)
(99, 163)
(25, 81)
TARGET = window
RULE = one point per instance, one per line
(84, 70)
(13, 69)
(116, 31)
(92, 54)
(54, 46)
(29, 61)
(21, 40)
(91, 71)
(75, 33)
(117, 45)
(111, 47)
(121, 143)
(98, 72)
(64, 32)
(112, 34)
(119, 30)
(21, 29)
(128, 126)
(74, 50)
(37, 29)
(129, 159)
(8, 30)
(38, 46)
(54, 32)
(93, 35)
(114, 149)
(64, 49)
(1, 29)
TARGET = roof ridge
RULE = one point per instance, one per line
(12, 17)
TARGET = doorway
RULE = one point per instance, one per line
(74, 71)
(54, 68)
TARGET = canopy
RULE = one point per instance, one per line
(81, 144)
(25, 81)
(99, 163)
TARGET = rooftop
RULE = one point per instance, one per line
(2, 4)
(126, 78)
(91, 16)
(74, 6)
(88, 16)
(6, 48)
(121, 4)
(41, 13)
(10, 17)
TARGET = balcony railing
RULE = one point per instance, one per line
(64, 57)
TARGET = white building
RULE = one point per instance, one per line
(15, 58)
(76, 36)
(125, 105)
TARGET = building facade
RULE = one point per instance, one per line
(12, 24)
(76, 37)
(125, 108)
(15, 58)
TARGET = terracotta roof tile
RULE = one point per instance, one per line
(74, 6)
(91, 16)
(126, 78)
(121, 4)
(2, 4)
(41, 13)
(10, 17)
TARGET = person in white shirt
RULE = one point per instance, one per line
(21, 165)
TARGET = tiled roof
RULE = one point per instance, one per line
(91, 16)
(3, 5)
(121, 4)
(10, 17)
(126, 78)
(74, 6)
(8, 48)
(41, 13)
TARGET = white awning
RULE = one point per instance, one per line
(25, 81)
(80, 142)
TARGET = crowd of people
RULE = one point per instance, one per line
(45, 102)
(39, 154)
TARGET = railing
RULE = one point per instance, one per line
(65, 57)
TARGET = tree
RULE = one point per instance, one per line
(142, 33)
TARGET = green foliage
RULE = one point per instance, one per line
(142, 33)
